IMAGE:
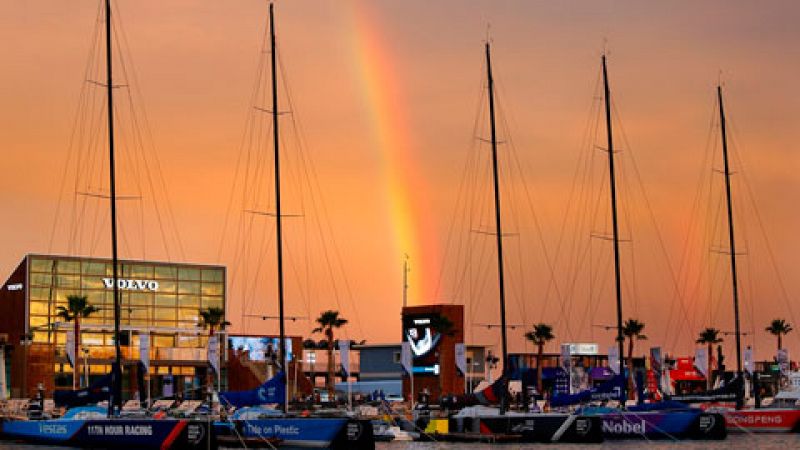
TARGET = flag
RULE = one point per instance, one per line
(213, 352)
(783, 361)
(613, 359)
(272, 391)
(70, 344)
(566, 356)
(701, 361)
(461, 358)
(749, 365)
(144, 351)
(405, 358)
(344, 356)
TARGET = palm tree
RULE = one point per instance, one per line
(328, 321)
(709, 336)
(445, 327)
(77, 308)
(632, 329)
(213, 319)
(542, 334)
(779, 328)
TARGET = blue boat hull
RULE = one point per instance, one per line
(304, 432)
(108, 433)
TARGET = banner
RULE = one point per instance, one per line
(783, 361)
(566, 356)
(461, 358)
(613, 359)
(213, 352)
(749, 364)
(656, 359)
(70, 344)
(344, 356)
(701, 361)
(144, 351)
(405, 357)
(272, 391)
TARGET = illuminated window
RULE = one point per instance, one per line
(166, 272)
(212, 302)
(212, 289)
(95, 268)
(188, 315)
(214, 275)
(189, 287)
(66, 266)
(39, 308)
(188, 273)
(41, 279)
(41, 265)
(38, 321)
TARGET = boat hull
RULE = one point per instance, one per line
(305, 432)
(663, 425)
(543, 427)
(117, 433)
(763, 420)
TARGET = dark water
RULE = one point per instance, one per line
(734, 442)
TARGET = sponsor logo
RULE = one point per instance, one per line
(195, 433)
(131, 285)
(755, 419)
(583, 426)
(624, 427)
(14, 287)
(49, 428)
(707, 422)
(120, 430)
(273, 430)
(354, 431)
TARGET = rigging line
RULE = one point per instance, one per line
(750, 195)
(460, 192)
(687, 250)
(310, 171)
(121, 40)
(651, 213)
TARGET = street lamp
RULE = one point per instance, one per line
(85, 351)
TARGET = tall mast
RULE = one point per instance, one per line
(405, 280)
(116, 396)
(278, 227)
(734, 280)
(615, 223)
(498, 228)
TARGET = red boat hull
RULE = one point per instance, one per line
(762, 420)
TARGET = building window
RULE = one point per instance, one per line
(396, 357)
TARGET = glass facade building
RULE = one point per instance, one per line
(159, 301)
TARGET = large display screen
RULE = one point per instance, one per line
(424, 342)
(259, 348)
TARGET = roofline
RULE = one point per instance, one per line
(98, 258)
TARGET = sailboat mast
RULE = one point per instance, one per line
(278, 225)
(116, 398)
(498, 227)
(734, 280)
(614, 221)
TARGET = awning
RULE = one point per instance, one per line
(601, 373)
(686, 375)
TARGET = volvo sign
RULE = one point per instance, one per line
(132, 285)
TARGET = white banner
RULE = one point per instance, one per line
(749, 364)
(144, 351)
(701, 361)
(566, 356)
(461, 358)
(783, 361)
(613, 359)
(213, 352)
(405, 357)
(344, 356)
(70, 344)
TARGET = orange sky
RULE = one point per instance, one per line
(390, 154)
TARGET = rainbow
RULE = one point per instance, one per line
(409, 214)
